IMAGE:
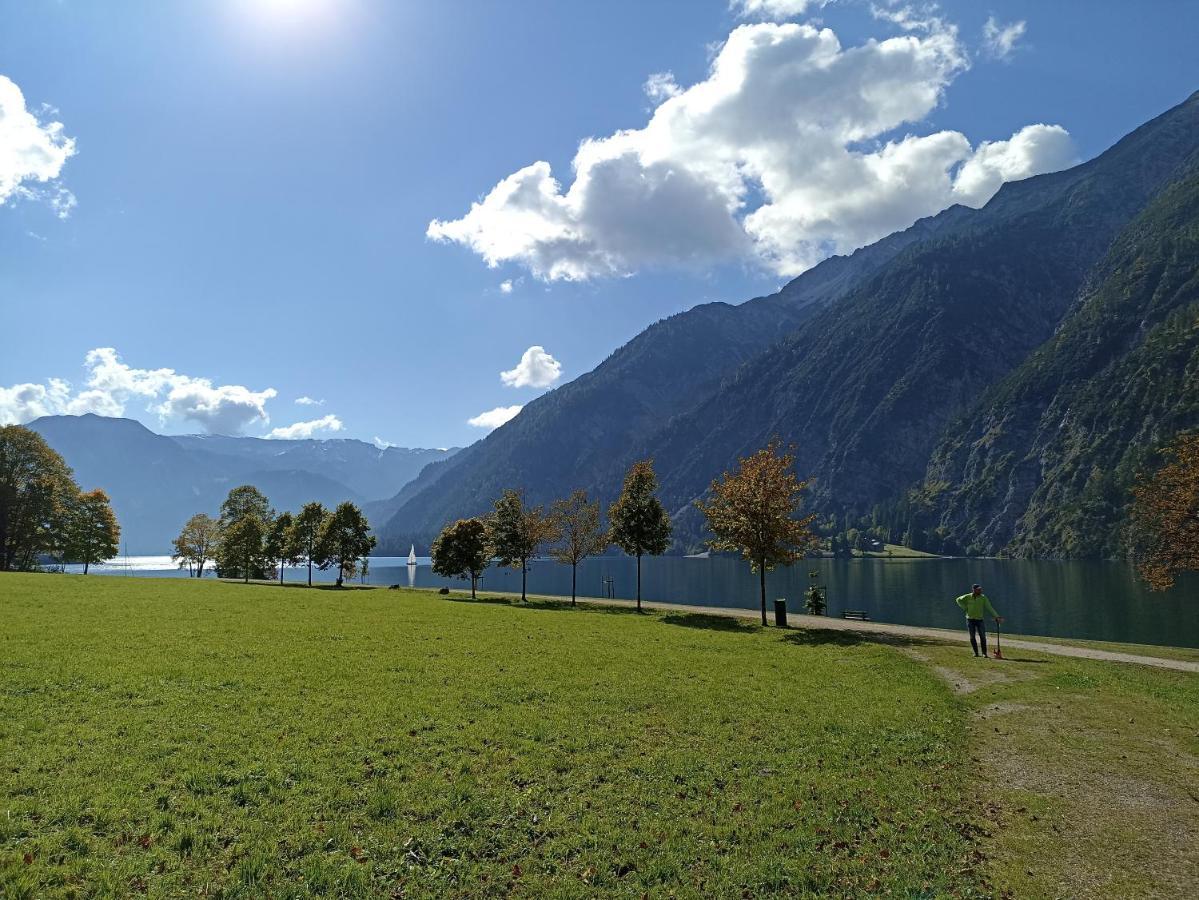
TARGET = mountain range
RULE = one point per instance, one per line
(156, 482)
(987, 381)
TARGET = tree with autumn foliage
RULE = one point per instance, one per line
(516, 533)
(92, 532)
(36, 492)
(752, 512)
(640, 524)
(580, 534)
(197, 544)
(1165, 514)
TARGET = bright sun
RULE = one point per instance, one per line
(289, 12)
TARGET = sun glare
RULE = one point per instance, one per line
(288, 13)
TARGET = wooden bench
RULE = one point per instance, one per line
(858, 615)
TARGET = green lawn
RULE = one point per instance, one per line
(178, 738)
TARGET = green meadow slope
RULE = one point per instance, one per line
(174, 738)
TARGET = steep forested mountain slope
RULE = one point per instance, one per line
(865, 387)
(867, 380)
(566, 438)
(1044, 465)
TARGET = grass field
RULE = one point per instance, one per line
(172, 738)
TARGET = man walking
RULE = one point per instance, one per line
(976, 605)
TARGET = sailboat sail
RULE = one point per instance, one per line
(412, 555)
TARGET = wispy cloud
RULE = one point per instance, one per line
(300, 430)
(1000, 40)
(494, 418)
(308, 401)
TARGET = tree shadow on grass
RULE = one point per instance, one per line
(710, 622)
(819, 637)
(498, 601)
(564, 605)
(847, 637)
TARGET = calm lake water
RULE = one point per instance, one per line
(1095, 600)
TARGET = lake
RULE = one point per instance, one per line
(1094, 600)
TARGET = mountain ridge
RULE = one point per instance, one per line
(877, 362)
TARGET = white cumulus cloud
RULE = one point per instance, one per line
(1000, 40)
(494, 418)
(306, 429)
(111, 385)
(308, 401)
(774, 10)
(535, 369)
(789, 150)
(32, 153)
(506, 286)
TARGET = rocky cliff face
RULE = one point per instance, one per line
(1044, 463)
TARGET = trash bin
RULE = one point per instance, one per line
(780, 612)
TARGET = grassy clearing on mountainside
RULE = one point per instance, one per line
(180, 738)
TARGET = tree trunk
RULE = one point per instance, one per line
(280, 573)
(574, 580)
(524, 577)
(85, 567)
(762, 579)
(472, 586)
(638, 582)
(310, 568)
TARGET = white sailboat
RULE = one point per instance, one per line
(412, 555)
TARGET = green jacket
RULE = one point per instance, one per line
(976, 606)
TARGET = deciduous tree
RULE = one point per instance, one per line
(344, 539)
(752, 512)
(639, 523)
(243, 504)
(92, 534)
(516, 533)
(278, 545)
(462, 551)
(241, 548)
(577, 522)
(1165, 515)
(243, 501)
(36, 487)
(197, 543)
(306, 533)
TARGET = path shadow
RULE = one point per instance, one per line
(710, 622)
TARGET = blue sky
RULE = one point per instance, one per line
(253, 183)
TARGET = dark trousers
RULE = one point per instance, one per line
(979, 627)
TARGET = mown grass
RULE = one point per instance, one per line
(174, 738)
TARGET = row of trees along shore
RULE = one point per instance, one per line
(43, 512)
(751, 511)
(250, 540)
(45, 515)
